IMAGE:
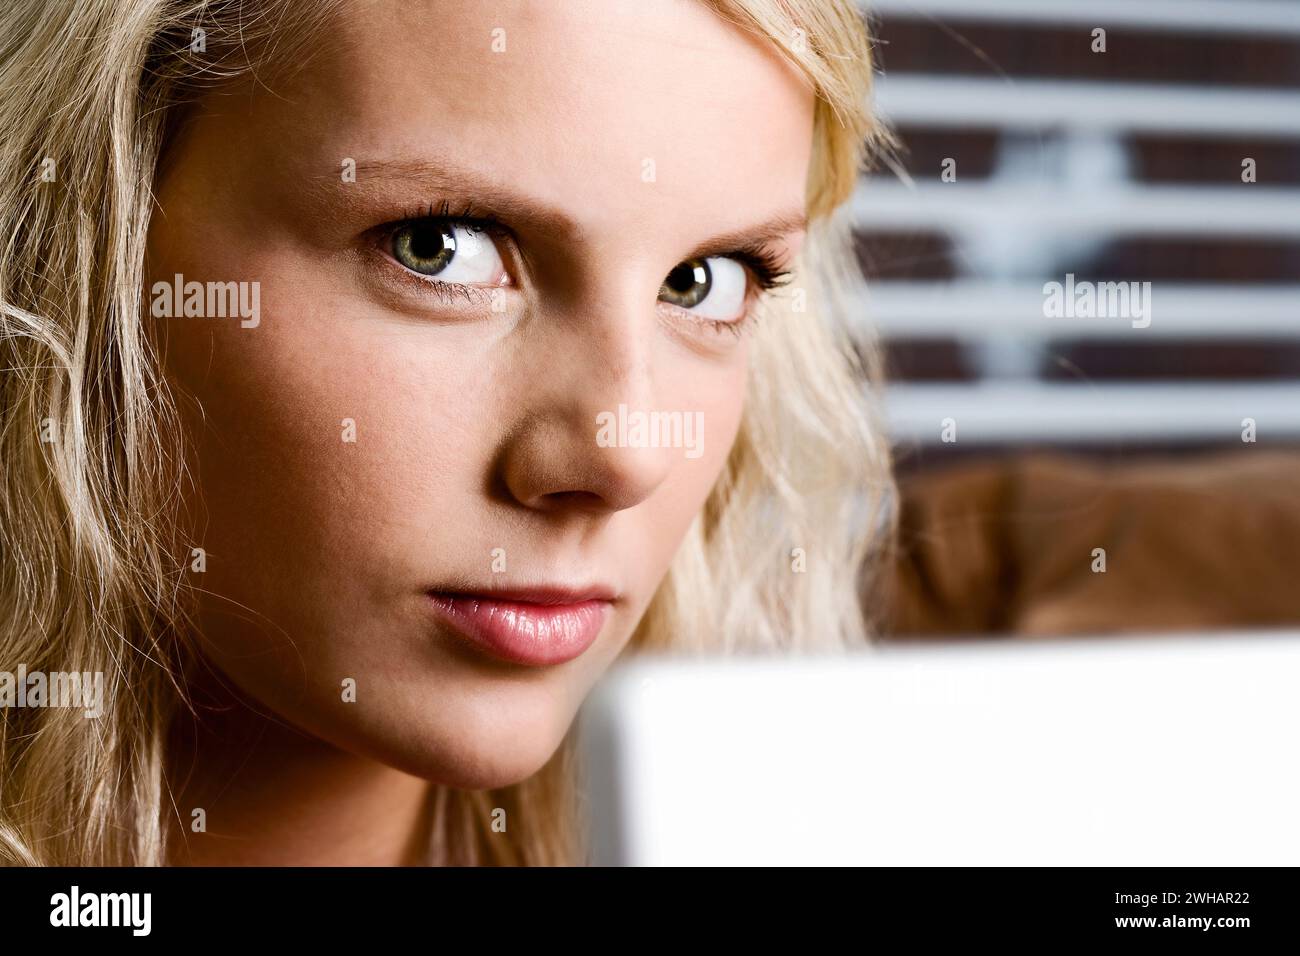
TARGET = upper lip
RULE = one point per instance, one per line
(553, 595)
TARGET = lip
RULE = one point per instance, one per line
(535, 627)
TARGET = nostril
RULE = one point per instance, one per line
(574, 499)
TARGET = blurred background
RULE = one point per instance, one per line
(1089, 470)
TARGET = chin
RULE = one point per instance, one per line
(484, 758)
(467, 737)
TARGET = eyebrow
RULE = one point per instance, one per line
(778, 227)
(483, 194)
(487, 196)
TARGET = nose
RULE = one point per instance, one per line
(557, 457)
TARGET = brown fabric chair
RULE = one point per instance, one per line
(1006, 546)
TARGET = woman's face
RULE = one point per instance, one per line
(412, 416)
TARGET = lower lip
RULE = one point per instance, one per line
(519, 633)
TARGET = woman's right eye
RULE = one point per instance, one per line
(447, 250)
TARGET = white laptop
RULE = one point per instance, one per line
(1162, 751)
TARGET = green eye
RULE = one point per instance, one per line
(425, 247)
(688, 284)
(712, 288)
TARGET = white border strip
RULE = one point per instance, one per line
(1204, 16)
(973, 310)
(979, 102)
(1242, 210)
(1022, 413)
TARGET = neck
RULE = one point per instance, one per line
(274, 796)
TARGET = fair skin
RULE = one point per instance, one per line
(475, 419)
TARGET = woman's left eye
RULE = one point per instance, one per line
(448, 251)
(713, 288)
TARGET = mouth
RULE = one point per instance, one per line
(535, 627)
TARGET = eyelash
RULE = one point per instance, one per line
(762, 264)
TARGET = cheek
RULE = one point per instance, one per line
(322, 442)
(717, 400)
(305, 439)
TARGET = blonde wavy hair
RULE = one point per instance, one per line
(90, 566)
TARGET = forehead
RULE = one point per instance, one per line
(613, 109)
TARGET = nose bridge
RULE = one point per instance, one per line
(591, 361)
(618, 361)
(607, 333)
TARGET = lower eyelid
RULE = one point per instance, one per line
(735, 326)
